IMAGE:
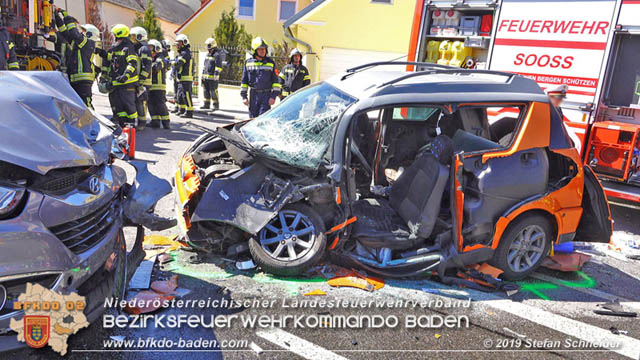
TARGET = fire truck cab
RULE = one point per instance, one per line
(590, 45)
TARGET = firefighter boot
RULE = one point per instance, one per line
(165, 124)
(154, 124)
(205, 106)
(187, 115)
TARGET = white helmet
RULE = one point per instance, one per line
(91, 32)
(157, 46)
(140, 33)
(211, 43)
(166, 44)
(183, 38)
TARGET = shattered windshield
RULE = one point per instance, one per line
(299, 131)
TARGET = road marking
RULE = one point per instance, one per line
(588, 291)
(629, 347)
(298, 346)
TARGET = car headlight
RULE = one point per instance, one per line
(10, 200)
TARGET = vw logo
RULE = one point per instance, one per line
(3, 296)
(94, 184)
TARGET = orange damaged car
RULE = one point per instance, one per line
(399, 173)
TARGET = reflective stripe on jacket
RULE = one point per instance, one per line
(158, 73)
(79, 57)
(184, 64)
(260, 75)
(122, 60)
(294, 78)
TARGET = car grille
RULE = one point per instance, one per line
(64, 180)
(82, 234)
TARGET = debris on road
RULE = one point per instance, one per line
(511, 332)
(357, 281)
(566, 262)
(146, 301)
(616, 331)
(614, 308)
(161, 242)
(245, 265)
(438, 336)
(315, 293)
(142, 277)
(166, 286)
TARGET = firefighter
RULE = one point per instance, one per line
(211, 74)
(8, 58)
(294, 75)
(122, 63)
(79, 58)
(557, 95)
(166, 47)
(259, 74)
(139, 38)
(158, 92)
(184, 74)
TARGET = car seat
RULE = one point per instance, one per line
(414, 202)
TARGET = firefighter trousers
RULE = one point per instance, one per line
(184, 96)
(83, 89)
(210, 92)
(259, 102)
(158, 106)
(142, 99)
(123, 104)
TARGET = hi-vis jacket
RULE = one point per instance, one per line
(144, 63)
(260, 75)
(184, 64)
(158, 74)
(294, 78)
(79, 56)
(8, 59)
(122, 60)
(213, 65)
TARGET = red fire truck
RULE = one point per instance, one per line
(30, 23)
(593, 46)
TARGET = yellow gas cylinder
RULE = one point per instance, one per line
(432, 51)
(445, 52)
(459, 52)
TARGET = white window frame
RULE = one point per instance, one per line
(387, 2)
(279, 7)
(244, 17)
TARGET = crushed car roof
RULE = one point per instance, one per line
(438, 85)
(45, 125)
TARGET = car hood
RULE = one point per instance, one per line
(45, 125)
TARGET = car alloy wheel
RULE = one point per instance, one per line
(288, 236)
(526, 249)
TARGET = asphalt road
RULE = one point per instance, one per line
(552, 317)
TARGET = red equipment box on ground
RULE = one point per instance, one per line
(615, 148)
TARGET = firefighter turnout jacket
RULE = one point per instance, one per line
(158, 73)
(122, 63)
(293, 78)
(79, 54)
(144, 63)
(8, 59)
(260, 75)
(213, 65)
(184, 64)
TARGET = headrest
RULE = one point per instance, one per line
(442, 149)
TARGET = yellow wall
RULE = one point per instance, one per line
(265, 24)
(358, 24)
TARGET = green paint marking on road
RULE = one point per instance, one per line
(537, 288)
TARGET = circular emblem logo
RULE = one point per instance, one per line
(94, 184)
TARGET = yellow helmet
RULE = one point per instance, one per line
(258, 43)
(211, 43)
(120, 31)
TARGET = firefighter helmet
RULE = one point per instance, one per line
(166, 44)
(295, 51)
(140, 33)
(211, 43)
(183, 38)
(91, 32)
(258, 43)
(120, 31)
(157, 46)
